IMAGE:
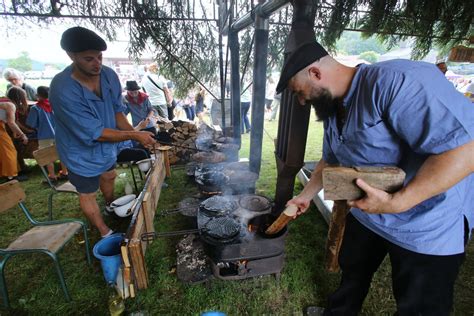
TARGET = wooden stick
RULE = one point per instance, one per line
(285, 217)
(336, 234)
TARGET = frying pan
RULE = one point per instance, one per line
(187, 207)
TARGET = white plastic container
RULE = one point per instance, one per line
(123, 205)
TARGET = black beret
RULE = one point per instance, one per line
(132, 85)
(303, 56)
(78, 39)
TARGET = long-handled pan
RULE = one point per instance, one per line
(220, 229)
(187, 207)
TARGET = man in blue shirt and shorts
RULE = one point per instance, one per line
(88, 109)
(395, 113)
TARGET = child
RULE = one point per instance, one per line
(41, 118)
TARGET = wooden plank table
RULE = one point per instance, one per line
(134, 249)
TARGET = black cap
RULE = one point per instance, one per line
(132, 85)
(78, 39)
(303, 56)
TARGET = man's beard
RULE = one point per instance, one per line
(325, 105)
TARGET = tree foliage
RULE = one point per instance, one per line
(351, 43)
(183, 36)
(370, 56)
(443, 23)
(22, 62)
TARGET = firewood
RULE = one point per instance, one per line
(336, 234)
(168, 125)
(339, 185)
(339, 182)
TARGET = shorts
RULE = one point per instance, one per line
(86, 184)
(42, 143)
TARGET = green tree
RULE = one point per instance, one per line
(22, 62)
(352, 43)
(370, 56)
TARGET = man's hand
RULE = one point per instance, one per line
(145, 138)
(375, 202)
(143, 124)
(301, 202)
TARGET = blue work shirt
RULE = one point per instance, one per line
(81, 117)
(42, 121)
(139, 111)
(400, 112)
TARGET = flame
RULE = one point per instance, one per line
(252, 228)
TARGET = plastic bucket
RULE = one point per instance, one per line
(107, 250)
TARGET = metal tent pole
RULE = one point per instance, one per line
(263, 10)
(258, 91)
(235, 85)
(294, 118)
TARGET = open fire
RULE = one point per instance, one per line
(232, 239)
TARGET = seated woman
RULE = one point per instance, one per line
(18, 96)
(8, 154)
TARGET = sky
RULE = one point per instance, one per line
(42, 44)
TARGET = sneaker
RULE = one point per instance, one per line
(110, 233)
(109, 210)
(53, 181)
(19, 178)
(62, 176)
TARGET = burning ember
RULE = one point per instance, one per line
(252, 228)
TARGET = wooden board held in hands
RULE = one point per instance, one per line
(339, 182)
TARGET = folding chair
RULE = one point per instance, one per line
(47, 237)
(44, 157)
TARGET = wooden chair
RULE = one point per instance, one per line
(44, 237)
(44, 157)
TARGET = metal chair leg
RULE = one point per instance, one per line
(60, 274)
(3, 284)
(133, 178)
(50, 206)
(86, 239)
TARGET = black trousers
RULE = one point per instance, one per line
(422, 284)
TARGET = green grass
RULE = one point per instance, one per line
(34, 289)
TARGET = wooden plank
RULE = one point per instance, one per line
(339, 182)
(144, 223)
(11, 193)
(51, 237)
(138, 263)
(336, 234)
(46, 155)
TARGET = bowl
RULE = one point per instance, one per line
(123, 205)
(145, 164)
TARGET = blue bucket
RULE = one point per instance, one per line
(107, 250)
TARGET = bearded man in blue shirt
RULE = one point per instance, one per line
(395, 113)
(87, 104)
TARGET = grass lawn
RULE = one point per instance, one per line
(34, 289)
